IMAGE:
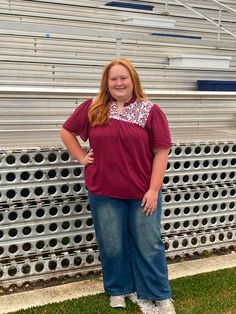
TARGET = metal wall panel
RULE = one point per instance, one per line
(77, 61)
(50, 234)
(32, 117)
(90, 13)
(61, 44)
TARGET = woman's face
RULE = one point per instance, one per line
(120, 84)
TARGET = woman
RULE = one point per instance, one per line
(124, 169)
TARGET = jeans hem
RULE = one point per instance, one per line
(153, 298)
(119, 293)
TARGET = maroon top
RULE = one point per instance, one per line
(123, 148)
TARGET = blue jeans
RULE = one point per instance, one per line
(131, 250)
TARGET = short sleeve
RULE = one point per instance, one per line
(78, 122)
(158, 129)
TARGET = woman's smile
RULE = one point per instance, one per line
(120, 83)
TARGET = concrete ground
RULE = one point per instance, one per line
(13, 302)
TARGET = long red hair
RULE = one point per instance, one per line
(99, 110)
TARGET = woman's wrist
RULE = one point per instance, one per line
(154, 189)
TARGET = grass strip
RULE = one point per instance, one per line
(208, 293)
(92, 304)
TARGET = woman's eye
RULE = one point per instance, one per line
(123, 78)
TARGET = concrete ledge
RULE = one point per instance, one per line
(24, 300)
(203, 265)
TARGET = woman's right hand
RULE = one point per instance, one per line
(74, 147)
(88, 158)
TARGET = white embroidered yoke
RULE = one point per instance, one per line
(136, 112)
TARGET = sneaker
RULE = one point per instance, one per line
(146, 306)
(166, 306)
(117, 301)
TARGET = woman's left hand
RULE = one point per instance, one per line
(149, 202)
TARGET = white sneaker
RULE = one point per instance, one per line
(146, 306)
(166, 306)
(117, 301)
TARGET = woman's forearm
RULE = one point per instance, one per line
(73, 145)
(159, 168)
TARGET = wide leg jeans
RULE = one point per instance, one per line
(131, 249)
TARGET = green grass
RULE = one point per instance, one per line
(93, 304)
(209, 293)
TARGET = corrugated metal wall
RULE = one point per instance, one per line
(32, 117)
(95, 15)
(35, 60)
(55, 43)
